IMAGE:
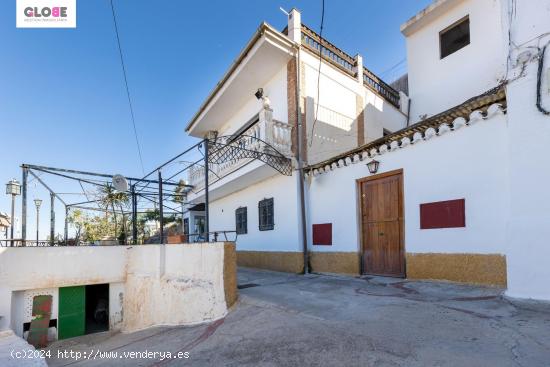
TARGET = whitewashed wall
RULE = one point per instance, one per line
(437, 84)
(528, 231)
(284, 236)
(139, 278)
(174, 285)
(467, 163)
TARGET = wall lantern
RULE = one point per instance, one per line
(373, 166)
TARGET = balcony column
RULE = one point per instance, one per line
(266, 125)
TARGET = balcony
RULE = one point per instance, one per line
(264, 149)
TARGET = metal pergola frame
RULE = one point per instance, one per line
(92, 178)
(215, 150)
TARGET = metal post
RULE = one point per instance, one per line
(299, 160)
(66, 225)
(52, 218)
(24, 207)
(206, 201)
(161, 212)
(37, 223)
(12, 219)
(134, 215)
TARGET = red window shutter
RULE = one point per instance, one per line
(443, 214)
(322, 234)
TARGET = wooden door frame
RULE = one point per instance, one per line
(358, 183)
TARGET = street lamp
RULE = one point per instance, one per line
(13, 188)
(37, 202)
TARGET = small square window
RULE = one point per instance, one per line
(454, 37)
(265, 215)
(241, 221)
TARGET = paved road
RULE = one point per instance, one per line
(319, 320)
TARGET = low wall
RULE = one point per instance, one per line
(155, 284)
(290, 262)
(335, 262)
(176, 285)
(485, 269)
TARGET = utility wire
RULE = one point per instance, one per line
(318, 75)
(382, 74)
(127, 89)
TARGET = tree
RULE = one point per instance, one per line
(109, 198)
(78, 221)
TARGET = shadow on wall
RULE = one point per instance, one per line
(333, 132)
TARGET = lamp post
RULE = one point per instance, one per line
(13, 188)
(37, 202)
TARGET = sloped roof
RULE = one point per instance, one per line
(478, 103)
(4, 220)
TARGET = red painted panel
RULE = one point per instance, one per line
(443, 214)
(322, 234)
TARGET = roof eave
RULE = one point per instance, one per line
(263, 29)
(425, 15)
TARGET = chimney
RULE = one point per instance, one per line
(295, 26)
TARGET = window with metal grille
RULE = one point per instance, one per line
(241, 220)
(454, 37)
(265, 214)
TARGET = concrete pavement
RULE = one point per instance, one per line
(322, 320)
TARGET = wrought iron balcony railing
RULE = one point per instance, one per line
(268, 141)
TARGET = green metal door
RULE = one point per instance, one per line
(72, 312)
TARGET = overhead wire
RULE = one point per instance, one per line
(127, 89)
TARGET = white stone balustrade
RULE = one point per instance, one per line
(275, 134)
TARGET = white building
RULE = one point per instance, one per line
(460, 191)
(355, 107)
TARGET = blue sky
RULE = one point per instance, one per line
(62, 97)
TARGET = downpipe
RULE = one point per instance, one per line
(301, 180)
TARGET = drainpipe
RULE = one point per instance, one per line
(300, 165)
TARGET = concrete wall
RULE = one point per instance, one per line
(141, 280)
(349, 114)
(528, 232)
(284, 236)
(466, 163)
(437, 84)
(462, 164)
(174, 285)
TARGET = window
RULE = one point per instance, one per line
(454, 37)
(241, 220)
(199, 225)
(265, 214)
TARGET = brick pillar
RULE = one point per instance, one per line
(291, 101)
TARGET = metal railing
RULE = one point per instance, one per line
(215, 236)
(390, 94)
(261, 137)
(331, 53)
(17, 242)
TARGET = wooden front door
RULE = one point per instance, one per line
(381, 199)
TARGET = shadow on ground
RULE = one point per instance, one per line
(321, 320)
